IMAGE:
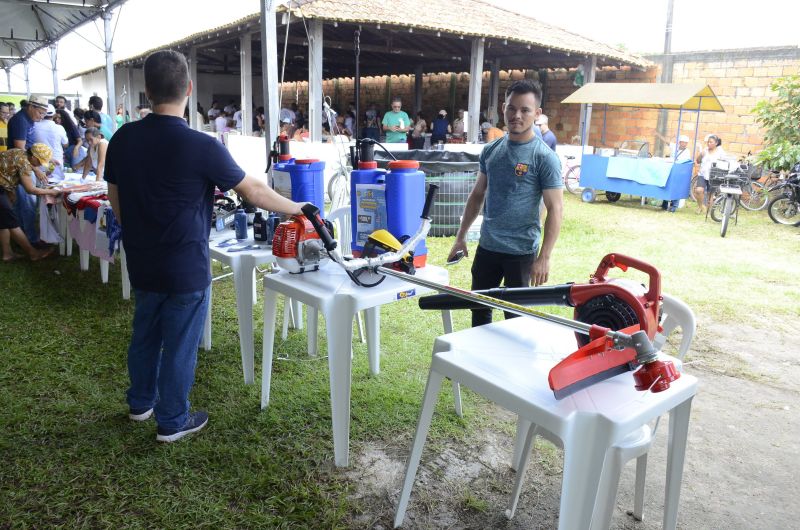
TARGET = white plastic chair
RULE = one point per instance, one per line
(341, 219)
(675, 314)
(508, 362)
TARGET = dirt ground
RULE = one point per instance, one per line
(742, 462)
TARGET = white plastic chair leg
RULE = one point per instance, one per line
(638, 499)
(426, 414)
(447, 325)
(374, 339)
(287, 314)
(607, 491)
(103, 271)
(523, 427)
(360, 324)
(313, 336)
(530, 434)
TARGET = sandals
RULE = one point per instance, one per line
(42, 254)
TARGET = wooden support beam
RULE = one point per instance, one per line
(475, 80)
(590, 66)
(194, 123)
(315, 80)
(494, 91)
(246, 77)
(269, 71)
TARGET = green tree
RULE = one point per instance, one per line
(780, 117)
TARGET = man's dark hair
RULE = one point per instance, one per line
(525, 86)
(92, 115)
(61, 97)
(96, 103)
(166, 76)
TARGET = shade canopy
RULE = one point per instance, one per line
(27, 26)
(694, 96)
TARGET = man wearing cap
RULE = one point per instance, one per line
(681, 155)
(547, 135)
(440, 128)
(20, 136)
(163, 203)
(16, 168)
(54, 136)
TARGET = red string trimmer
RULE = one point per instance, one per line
(605, 304)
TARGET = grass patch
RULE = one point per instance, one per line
(72, 459)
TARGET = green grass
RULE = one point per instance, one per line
(71, 459)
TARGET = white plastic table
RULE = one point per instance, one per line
(243, 264)
(588, 422)
(331, 292)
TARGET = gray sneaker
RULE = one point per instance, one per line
(195, 422)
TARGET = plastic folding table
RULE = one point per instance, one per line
(331, 292)
(243, 264)
(588, 422)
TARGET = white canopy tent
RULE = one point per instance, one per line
(27, 26)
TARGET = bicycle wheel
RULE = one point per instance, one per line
(572, 180)
(727, 210)
(693, 187)
(717, 209)
(784, 210)
(754, 196)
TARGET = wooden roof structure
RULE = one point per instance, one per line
(397, 37)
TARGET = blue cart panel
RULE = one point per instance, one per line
(594, 171)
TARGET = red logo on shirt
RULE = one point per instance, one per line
(521, 169)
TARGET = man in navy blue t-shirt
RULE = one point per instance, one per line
(161, 177)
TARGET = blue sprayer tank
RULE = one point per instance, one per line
(405, 198)
(369, 219)
(301, 180)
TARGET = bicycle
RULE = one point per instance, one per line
(571, 174)
(728, 185)
(785, 208)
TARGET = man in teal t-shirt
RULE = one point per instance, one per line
(396, 123)
(517, 172)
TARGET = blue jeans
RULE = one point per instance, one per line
(25, 209)
(163, 353)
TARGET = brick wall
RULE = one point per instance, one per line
(739, 78)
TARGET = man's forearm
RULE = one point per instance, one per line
(265, 197)
(552, 227)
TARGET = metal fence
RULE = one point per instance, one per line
(454, 189)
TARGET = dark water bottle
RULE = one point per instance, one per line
(240, 224)
(272, 224)
(260, 228)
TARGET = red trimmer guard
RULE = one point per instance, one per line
(594, 362)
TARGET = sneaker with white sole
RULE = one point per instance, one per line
(195, 422)
(140, 414)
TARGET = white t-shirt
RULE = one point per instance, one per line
(237, 116)
(288, 114)
(213, 113)
(52, 134)
(708, 159)
(220, 123)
